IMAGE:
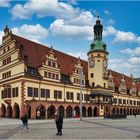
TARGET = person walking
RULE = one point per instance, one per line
(38, 114)
(24, 120)
(59, 123)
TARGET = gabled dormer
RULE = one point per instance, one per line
(50, 69)
(111, 84)
(123, 85)
(77, 71)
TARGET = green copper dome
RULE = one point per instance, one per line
(98, 45)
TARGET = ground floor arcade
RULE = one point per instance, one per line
(68, 110)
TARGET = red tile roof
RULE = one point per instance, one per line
(37, 53)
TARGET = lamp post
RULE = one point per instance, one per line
(80, 93)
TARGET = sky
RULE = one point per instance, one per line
(67, 25)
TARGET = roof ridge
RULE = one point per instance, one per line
(41, 45)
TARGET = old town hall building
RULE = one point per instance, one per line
(35, 77)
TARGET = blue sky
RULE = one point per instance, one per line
(68, 26)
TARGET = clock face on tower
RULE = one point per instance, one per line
(91, 63)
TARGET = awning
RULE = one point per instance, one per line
(97, 94)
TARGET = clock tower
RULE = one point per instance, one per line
(98, 58)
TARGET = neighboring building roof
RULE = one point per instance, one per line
(37, 54)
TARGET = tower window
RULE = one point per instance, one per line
(104, 84)
(93, 84)
(98, 55)
(92, 75)
(98, 60)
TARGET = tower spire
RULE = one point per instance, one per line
(98, 29)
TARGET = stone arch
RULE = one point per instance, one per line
(42, 110)
(113, 111)
(77, 111)
(84, 111)
(69, 112)
(118, 111)
(133, 111)
(9, 111)
(121, 111)
(61, 110)
(16, 111)
(95, 111)
(89, 111)
(124, 111)
(51, 111)
(29, 111)
(127, 111)
(3, 110)
(130, 111)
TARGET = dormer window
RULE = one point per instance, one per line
(53, 64)
(49, 63)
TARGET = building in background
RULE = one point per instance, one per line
(34, 77)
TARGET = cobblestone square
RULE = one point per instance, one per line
(88, 128)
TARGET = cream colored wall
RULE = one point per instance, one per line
(127, 98)
(97, 70)
(52, 87)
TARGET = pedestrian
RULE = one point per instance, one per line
(59, 123)
(24, 120)
(38, 114)
(135, 114)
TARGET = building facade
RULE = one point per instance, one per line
(35, 77)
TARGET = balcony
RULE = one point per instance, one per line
(7, 100)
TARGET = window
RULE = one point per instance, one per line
(92, 75)
(15, 92)
(49, 63)
(49, 75)
(98, 55)
(69, 95)
(43, 93)
(57, 76)
(35, 92)
(120, 101)
(130, 102)
(45, 74)
(47, 93)
(93, 84)
(6, 75)
(115, 100)
(124, 101)
(86, 97)
(104, 84)
(53, 76)
(78, 96)
(31, 71)
(2, 94)
(116, 89)
(57, 94)
(53, 64)
(30, 92)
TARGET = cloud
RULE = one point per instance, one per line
(44, 8)
(60, 29)
(33, 32)
(82, 55)
(124, 37)
(110, 30)
(4, 3)
(126, 66)
(73, 2)
(135, 60)
(134, 52)
(121, 36)
(107, 12)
